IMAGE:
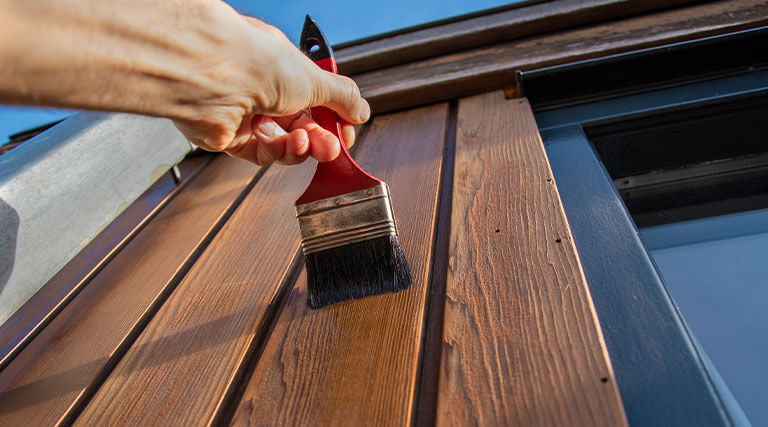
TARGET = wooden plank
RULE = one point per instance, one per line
(356, 363)
(521, 341)
(49, 212)
(183, 364)
(514, 22)
(61, 368)
(54, 295)
(493, 67)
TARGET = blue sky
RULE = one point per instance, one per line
(340, 20)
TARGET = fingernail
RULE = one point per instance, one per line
(365, 113)
(269, 130)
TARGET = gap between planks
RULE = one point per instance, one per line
(426, 403)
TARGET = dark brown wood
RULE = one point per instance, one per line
(516, 22)
(493, 67)
(51, 298)
(521, 341)
(182, 365)
(64, 364)
(357, 362)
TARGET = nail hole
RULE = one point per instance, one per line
(549, 179)
(497, 230)
(558, 240)
(604, 379)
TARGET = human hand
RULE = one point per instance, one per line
(229, 82)
(281, 131)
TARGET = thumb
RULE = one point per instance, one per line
(341, 94)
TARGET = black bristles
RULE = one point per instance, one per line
(358, 270)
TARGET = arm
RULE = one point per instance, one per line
(214, 72)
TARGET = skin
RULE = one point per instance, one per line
(229, 82)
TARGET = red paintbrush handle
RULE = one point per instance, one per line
(341, 175)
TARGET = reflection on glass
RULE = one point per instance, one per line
(717, 272)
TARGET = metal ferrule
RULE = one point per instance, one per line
(345, 219)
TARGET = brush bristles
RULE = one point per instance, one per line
(357, 270)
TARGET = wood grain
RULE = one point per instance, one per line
(521, 342)
(356, 363)
(51, 298)
(492, 67)
(184, 362)
(515, 22)
(63, 365)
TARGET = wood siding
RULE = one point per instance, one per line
(201, 317)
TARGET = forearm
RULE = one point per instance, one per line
(153, 57)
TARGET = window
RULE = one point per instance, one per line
(661, 161)
(695, 181)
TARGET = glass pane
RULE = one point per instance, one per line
(717, 272)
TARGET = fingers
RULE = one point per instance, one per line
(348, 134)
(287, 140)
(342, 95)
(323, 145)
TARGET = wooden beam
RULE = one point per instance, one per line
(521, 341)
(61, 368)
(493, 67)
(357, 363)
(516, 21)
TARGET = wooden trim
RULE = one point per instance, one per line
(521, 340)
(495, 26)
(493, 67)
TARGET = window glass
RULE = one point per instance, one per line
(720, 283)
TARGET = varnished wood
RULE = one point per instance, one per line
(521, 342)
(493, 67)
(65, 363)
(516, 21)
(356, 363)
(51, 298)
(183, 364)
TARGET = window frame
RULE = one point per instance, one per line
(663, 375)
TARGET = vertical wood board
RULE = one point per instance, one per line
(521, 342)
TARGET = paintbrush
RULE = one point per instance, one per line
(348, 231)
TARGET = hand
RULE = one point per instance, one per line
(224, 79)
(297, 83)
